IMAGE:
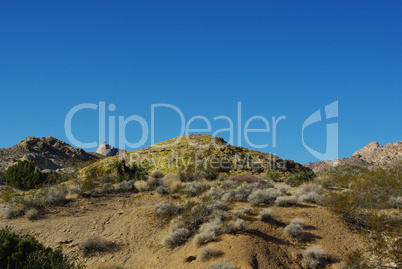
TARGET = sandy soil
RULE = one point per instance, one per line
(128, 220)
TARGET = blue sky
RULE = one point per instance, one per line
(278, 58)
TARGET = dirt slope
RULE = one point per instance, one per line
(128, 220)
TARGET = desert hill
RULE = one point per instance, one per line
(261, 211)
(189, 151)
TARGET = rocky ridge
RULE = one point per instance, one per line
(371, 155)
(48, 153)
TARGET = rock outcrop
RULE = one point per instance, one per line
(371, 155)
(108, 150)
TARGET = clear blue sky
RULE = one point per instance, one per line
(277, 58)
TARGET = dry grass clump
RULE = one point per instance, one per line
(195, 188)
(395, 202)
(229, 184)
(310, 193)
(157, 175)
(241, 212)
(264, 196)
(295, 229)
(172, 182)
(32, 214)
(225, 264)
(286, 201)
(141, 185)
(166, 209)
(110, 266)
(162, 190)
(56, 196)
(206, 253)
(285, 189)
(208, 231)
(267, 215)
(241, 193)
(176, 237)
(14, 212)
(298, 222)
(314, 257)
(95, 244)
(239, 225)
(310, 197)
(215, 227)
(214, 193)
(124, 186)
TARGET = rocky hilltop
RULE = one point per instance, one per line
(46, 152)
(371, 155)
(107, 150)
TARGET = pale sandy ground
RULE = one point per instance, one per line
(128, 220)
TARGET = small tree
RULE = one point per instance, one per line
(24, 175)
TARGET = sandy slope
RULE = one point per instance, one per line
(128, 220)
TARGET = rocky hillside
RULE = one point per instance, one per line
(107, 150)
(185, 152)
(371, 155)
(46, 152)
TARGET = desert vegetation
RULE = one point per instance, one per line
(16, 252)
(201, 208)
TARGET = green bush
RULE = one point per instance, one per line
(29, 253)
(133, 171)
(362, 204)
(24, 176)
(300, 177)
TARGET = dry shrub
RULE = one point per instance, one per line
(171, 181)
(157, 175)
(285, 189)
(208, 231)
(286, 201)
(266, 215)
(56, 196)
(153, 182)
(162, 190)
(14, 212)
(124, 186)
(176, 237)
(225, 264)
(264, 196)
(395, 202)
(298, 221)
(214, 193)
(314, 257)
(141, 185)
(229, 184)
(248, 179)
(32, 214)
(295, 230)
(310, 193)
(241, 212)
(192, 189)
(166, 209)
(310, 197)
(240, 225)
(110, 266)
(207, 253)
(95, 244)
